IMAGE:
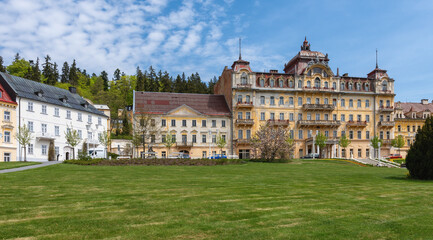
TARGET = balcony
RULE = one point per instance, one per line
(44, 136)
(324, 123)
(244, 122)
(184, 144)
(386, 109)
(356, 124)
(386, 142)
(319, 89)
(244, 104)
(277, 123)
(386, 124)
(244, 86)
(320, 107)
(243, 141)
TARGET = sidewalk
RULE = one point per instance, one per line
(29, 167)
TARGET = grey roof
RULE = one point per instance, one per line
(26, 88)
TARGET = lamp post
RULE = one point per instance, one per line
(210, 140)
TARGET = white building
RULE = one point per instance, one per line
(49, 112)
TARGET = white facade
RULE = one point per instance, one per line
(50, 122)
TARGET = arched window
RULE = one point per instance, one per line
(271, 82)
(350, 86)
(308, 100)
(308, 84)
(334, 85)
(388, 103)
(342, 86)
(290, 83)
(358, 86)
(262, 82)
(317, 101)
(309, 73)
(281, 102)
(272, 101)
(317, 83)
(290, 100)
(384, 85)
(299, 101)
(326, 101)
(281, 83)
(300, 84)
(366, 87)
(326, 85)
(244, 78)
(247, 98)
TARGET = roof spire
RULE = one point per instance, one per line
(377, 66)
(305, 46)
(240, 49)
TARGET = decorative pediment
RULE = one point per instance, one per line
(184, 110)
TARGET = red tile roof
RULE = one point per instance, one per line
(416, 107)
(162, 103)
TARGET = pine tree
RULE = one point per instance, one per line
(2, 68)
(177, 84)
(139, 86)
(55, 73)
(64, 78)
(49, 72)
(419, 159)
(73, 76)
(104, 76)
(36, 72)
(211, 85)
(116, 75)
(17, 57)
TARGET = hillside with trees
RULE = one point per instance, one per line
(115, 91)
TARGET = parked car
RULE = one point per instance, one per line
(394, 156)
(184, 155)
(310, 155)
(218, 156)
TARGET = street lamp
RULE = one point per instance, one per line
(210, 140)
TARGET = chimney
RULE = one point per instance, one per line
(424, 101)
(273, 71)
(72, 90)
(338, 72)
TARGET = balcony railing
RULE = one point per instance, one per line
(328, 123)
(245, 122)
(356, 124)
(243, 141)
(386, 124)
(319, 89)
(184, 144)
(244, 104)
(276, 123)
(244, 86)
(323, 107)
(386, 109)
(45, 136)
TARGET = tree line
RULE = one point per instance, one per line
(100, 89)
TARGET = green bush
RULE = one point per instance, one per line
(269, 160)
(419, 160)
(94, 161)
(154, 161)
(113, 155)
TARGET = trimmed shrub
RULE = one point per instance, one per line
(94, 161)
(150, 162)
(269, 160)
(113, 155)
(419, 160)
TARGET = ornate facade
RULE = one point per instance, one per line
(308, 97)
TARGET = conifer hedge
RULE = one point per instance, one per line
(419, 160)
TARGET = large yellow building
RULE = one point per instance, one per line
(8, 143)
(308, 97)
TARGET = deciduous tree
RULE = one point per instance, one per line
(24, 136)
(321, 142)
(273, 142)
(72, 139)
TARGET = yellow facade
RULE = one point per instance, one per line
(8, 143)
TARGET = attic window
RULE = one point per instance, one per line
(63, 99)
(39, 93)
(85, 104)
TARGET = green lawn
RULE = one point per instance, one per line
(299, 200)
(8, 165)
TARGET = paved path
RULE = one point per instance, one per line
(44, 164)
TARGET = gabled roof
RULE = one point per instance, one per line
(163, 103)
(29, 89)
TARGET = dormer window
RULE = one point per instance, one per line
(384, 85)
(262, 82)
(350, 86)
(317, 83)
(367, 87)
(244, 79)
(358, 86)
(39, 93)
(308, 84)
(85, 104)
(281, 83)
(342, 86)
(63, 99)
(271, 82)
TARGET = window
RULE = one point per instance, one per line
(299, 116)
(281, 101)
(80, 134)
(350, 134)
(248, 132)
(262, 116)
(203, 138)
(213, 123)
(194, 138)
(358, 86)
(291, 134)
(350, 102)
(173, 137)
(272, 116)
(164, 154)
(308, 100)
(163, 138)
(366, 87)
(350, 86)
(334, 117)
(308, 116)
(342, 86)
(247, 99)
(290, 100)
(7, 116)
(89, 135)
(281, 116)
(408, 128)
(317, 101)
(262, 82)
(214, 138)
(384, 85)
(68, 115)
(203, 154)
(326, 101)
(388, 103)
(334, 85)
(317, 116)
(326, 117)
(44, 149)
(223, 123)
(308, 84)
(248, 115)
(359, 134)
(57, 130)
(99, 121)
(30, 149)
(334, 133)
(399, 128)
(281, 83)
(240, 134)
(44, 109)
(89, 118)
(194, 123)
(351, 117)
(30, 126)
(272, 101)
(317, 83)
(291, 116)
(244, 79)
(367, 103)
(367, 135)
(343, 117)
(359, 103)
(30, 106)
(163, 122)
(291, 84)
(358, 118)
(239, 98)
(343, 102)
(301, 134)
(183, 123)
(44, 128)
(7, 137)
(367, 153)
(359, 152)
(388, 135)
(7, 157)
(388, 118)
(271, 82)
(152, 138)
(326, 85)
(413, 129)
(80, 117)
(299, 83)
(381, 103)
(173, 122)
(262, 100)
(299, 101)
(381, 135)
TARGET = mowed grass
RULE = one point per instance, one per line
(299, 200)
(9, 165)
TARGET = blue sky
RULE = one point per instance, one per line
(202, 35)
